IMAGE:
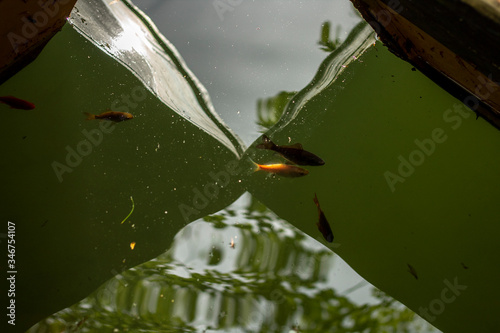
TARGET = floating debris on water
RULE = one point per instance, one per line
(131, 199)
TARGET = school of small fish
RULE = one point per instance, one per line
(21, 104)
(297, 155)
(293, 153)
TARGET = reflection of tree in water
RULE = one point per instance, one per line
(273, 280)
(269, 110)
(328, 44)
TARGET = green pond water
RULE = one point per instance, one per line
(161, 224)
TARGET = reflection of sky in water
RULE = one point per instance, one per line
(257, 50)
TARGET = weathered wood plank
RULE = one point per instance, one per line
(455, 43)
(26, 27)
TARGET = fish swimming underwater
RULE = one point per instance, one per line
(323, 225)
(412, 271)
(115, 116)
(17, 103)
(294, 153)
(284, 170)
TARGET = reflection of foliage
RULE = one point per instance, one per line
(272, 281)
(269, 110)
(327, 44)
(257, 207)
(216, 220)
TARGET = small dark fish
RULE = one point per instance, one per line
(464, 266)
(115, 116)
(285, 170)
(294, 153)
(17, 103)
(412, 271)
(323, 225)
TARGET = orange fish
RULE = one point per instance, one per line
(284, 170)
(17, 103)
(323, 225)
(115, 116)
(294, 153)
